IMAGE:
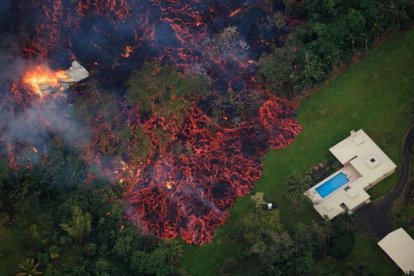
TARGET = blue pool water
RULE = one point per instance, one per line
(332, 184)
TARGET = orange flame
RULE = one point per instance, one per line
(169, 185)
(128, 50)
(42, 76)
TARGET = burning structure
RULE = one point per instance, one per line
(43, 81)
(182, 159)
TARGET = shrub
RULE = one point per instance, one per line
(341, 246)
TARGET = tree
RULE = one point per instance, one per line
(160, 89)
(174, 251)
(80, 225)
(229, 265)
(313, 71)
(275, 69)
(259, 226)
(344, 224)
(123, 246)
(28, 267)
(54, 252)
(226, 44)
(302, 265)
(279, 20)
(341, 246)
(297, 185)
(103, 267)
(258, 199)
(150, 264)
(334, 57)
(391, 11)
(355, 22)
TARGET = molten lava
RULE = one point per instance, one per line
(41, 78)
(194, 173)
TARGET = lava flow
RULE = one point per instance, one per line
(193, 174)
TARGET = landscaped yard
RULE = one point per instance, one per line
(376, 95)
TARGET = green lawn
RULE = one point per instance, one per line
(367, 252)
(376, 95)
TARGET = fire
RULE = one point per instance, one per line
(41, 77)
(169, 185)
(127, 51)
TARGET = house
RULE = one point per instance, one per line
(399, 246)
(364, 165)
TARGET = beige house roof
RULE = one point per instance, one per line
(365, 164)
(400, 247)
(76, 73)
(363, 154)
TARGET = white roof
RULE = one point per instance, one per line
(360, 145)
(369, 163)
(400, 247)
(76, 72)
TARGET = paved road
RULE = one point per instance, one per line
(374, 217)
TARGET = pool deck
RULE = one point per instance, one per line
(364, 164)
(350, 172)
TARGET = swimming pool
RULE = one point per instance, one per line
(332, 184)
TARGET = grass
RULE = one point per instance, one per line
(376, 94)
(367, 252)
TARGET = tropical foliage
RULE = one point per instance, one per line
(80, 225)
(330, 33)
(28, 267)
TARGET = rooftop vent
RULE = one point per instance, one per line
(373, 161)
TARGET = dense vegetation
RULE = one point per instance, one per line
(330, 34)
(74, 230)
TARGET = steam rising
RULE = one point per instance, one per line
(37, 123)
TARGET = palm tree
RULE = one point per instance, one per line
(352, 37)
(345, 222)
(334, 57)
(391, 11)
(80, 226)
(378, 29)
(28, 267)
(174, 251)
(313, 70)
(297, 185)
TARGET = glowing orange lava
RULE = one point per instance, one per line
(42, 77)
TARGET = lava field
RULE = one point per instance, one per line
(172, 193)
